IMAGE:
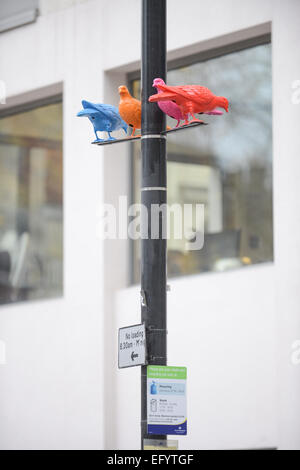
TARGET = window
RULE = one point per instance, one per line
(14, 13)
(31, 204)
(227, 165)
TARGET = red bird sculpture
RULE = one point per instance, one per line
(191, 99)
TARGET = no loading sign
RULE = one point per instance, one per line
(132, 346)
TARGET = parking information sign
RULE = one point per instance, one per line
(132, 346)
(166, 400)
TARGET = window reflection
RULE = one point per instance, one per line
(31, 204)
(227, 165)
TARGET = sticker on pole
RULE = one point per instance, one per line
(166, 400)
(132, 346)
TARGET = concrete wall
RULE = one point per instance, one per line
(60, 387)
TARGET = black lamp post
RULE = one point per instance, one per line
(153, 191)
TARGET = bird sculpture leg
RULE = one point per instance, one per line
(110, 137)
(189, 111)
(186, 120)
(97, 138)
(194, 118)
(132, 134)
(185, 116)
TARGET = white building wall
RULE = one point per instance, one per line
(51, 389)
(60, 387)
(243, 388)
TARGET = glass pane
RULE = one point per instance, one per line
(227, 165)
(31, 205)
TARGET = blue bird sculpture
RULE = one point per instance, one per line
(104, 117)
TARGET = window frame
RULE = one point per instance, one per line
(30, 105)
(185, 61)
(21, 104)
(18, 15)
(211, 53)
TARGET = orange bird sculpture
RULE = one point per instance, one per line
(191, 99)
(130, 109)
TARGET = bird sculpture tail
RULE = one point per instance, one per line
(164, 96)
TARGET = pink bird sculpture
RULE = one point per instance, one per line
(170, 108)
(191, 99)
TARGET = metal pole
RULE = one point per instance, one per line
(153, 191)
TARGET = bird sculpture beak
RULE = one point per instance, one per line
(85, 112)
